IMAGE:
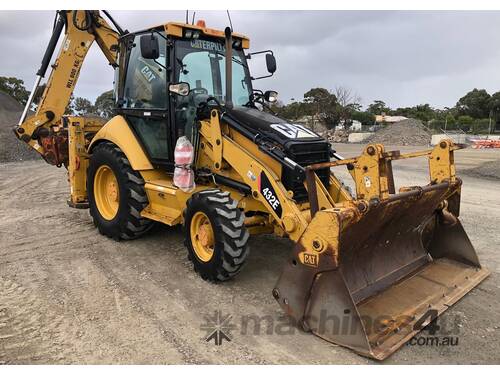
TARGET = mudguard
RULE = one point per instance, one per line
(118, 131)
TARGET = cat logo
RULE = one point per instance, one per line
(294, 131)
(148, 74)
(310, 260)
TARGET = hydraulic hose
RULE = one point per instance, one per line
(87, 23)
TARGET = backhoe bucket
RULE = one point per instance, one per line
(371, 280)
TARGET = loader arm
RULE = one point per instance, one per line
(225, 145)
(82, 28)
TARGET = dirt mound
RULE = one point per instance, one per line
(489, 170)
(405, 133)
(12, 149)
(9, 104)
(336, 135)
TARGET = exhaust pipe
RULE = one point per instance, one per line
(229, 68)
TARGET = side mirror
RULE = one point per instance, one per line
(270, 63)
(150, 48)
(271, 96)
(181, 88)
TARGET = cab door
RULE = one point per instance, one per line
(143, 99)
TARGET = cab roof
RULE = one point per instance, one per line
(177, 29)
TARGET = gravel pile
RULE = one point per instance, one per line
(336, 136)
(403, 133)
(12, 149)
(489, 170)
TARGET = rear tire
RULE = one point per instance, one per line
(127, 222)
(229, 248)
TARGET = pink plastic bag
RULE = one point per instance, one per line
(183, 173)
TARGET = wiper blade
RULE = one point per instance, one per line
(183, 66)
(233, 59)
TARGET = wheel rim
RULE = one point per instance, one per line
(202, 236)
(106, 192)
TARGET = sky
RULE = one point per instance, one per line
(404, 58)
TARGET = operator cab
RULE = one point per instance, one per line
(167, 72)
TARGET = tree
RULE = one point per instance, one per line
(348, 102)
(481, 126)
(450, 121)
(105, 105)
(495, 106)
(365, 118)
(464, 122)
(318, 95)
(70, 108)
(475, 103)
(323, 105)
(346, 98)
(38, 96)
(423, 112)
(15, 88)
(378, 107)
(440, 123)
(83, 106)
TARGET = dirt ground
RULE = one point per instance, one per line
(70, 295)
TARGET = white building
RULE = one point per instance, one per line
(389, 119)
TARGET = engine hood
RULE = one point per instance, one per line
(272, 126)
(282, 140)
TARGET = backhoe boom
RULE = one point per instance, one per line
(82, 28)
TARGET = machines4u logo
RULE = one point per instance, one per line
(218, 327)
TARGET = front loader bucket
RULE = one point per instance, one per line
(371, 280)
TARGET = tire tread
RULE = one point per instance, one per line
(233, 238)
(132, 225)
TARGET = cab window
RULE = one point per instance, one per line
(146, 79)
(201, 63)
(154, 135)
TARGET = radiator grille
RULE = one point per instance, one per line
(306, 154)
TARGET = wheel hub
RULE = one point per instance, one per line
(106, 192)
(202, 236)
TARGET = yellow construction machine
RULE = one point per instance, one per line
(192, 143)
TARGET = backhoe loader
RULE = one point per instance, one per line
(192, 143)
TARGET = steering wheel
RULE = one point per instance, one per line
(199, 91)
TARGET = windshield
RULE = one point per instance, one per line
(201, 63)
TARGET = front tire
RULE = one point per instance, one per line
(216, 237)
(116, 194)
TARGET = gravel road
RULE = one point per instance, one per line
(69, 295)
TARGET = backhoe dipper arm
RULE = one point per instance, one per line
(82, 27)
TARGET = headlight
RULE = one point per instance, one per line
(181, 88)
(271, 96)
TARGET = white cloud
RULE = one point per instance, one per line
(403, 58)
